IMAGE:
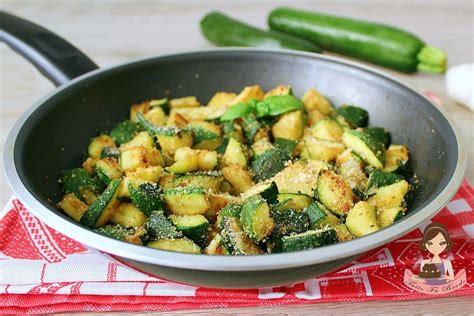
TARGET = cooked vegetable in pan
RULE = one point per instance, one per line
(249, 173)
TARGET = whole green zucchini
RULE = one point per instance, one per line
(376, 43)
(225, 31)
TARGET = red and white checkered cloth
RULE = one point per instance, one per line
(43, 271)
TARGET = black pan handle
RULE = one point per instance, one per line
(55, 58)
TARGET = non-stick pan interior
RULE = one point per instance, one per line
(56, 135)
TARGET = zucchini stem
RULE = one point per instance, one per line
(431, 59)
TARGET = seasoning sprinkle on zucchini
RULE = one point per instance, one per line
(269, 173)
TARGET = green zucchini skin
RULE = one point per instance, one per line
(94, 211)
(309, 239)
(194, 227)
(225, 31)
(373, 42)
(147, 197)
(270, 194)
(73, 180)
(230, 210)
(269, 163)
(286, 145)
(115, 231)
(158, 226)
(256, 219)
(379, 179)
(356, 116)
(287, 222)
(124, 132)
(380, 134)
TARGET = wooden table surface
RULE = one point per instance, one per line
(113, 32)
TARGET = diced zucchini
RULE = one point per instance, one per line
(250, 126)
(140, 139)
(128, 215)
(320, 149)
(396, 155)
(369, 149)
(279, 90)
(99, 213)
(206, 135)
(232, 210)
(234, 154)
(390, 196)
(75, 180)
(139, 157)
(158, 226)
(235, 240)
(309, 239)
(328, 220)
(343, 233)
(255, 218)
(217, 201)
(379, 179)
(221, 99)
(289, 126)
(172, 138)
(206, 180)
(72, 206)
(124, 132)
(260, 146)
(299, 176)
(239, 178)
(194, 227)
(286, 145)
(98, 143)
(88, 195)
(314, 116)
(162, 103)
(186, 160)
(355, 116)
(287, 222)
(208, 160)
(348, 155)
(137, 109)
(116, 231)
(378, 133)
(313, 100)
(315, 213)
(388, 216)
(270, 193)
(186, 201)
(269, 163)
(88, 165)
(148, 174)
(297, 201)
(216, 247)
(362, 219)
(334, 192)
(327, 129)
(352, 171)
(156, 116)
(184, 102)
(108, 169)
(177, 245)
(110, 152)
(147, 197)
(248, 93)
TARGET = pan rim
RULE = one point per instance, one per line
(230, 263)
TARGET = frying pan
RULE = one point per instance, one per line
(53, 134)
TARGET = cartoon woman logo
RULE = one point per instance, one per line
(436, 274)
